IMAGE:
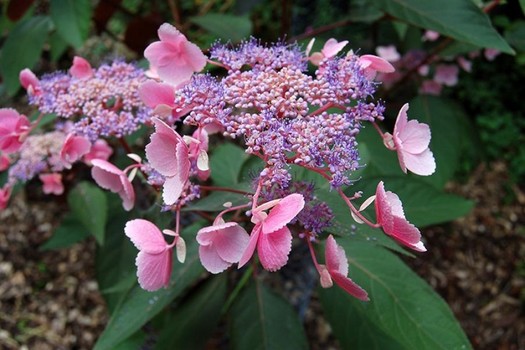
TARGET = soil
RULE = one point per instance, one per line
(50, 299)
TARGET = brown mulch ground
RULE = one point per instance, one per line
(49, 300)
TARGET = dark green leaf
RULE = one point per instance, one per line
(69, 232)
(22, 49)
(445, 119)
(140, 306)
(88, 203)
(215, 201)
(263, 320)
(515, 35)
(226, 163)
(188, 329)
(227, 27)
(57, 46)
(461, 20)
(115, 260)
(522, 4)
(402, 305)
(72, 19)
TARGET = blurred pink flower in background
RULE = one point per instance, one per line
(52, 183)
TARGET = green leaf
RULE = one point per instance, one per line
(263, 320)
(88, 203)
(72, 19)
(515, 35)
(22, 49)
(522, 4)
(445, 119)
(423, 204)
(57, 46)
(115, 260)
(227, 27)
(68, 233)
(226, 162)
(402, 305)
(187, 329)
(461, 20)
(140, 306)
(215, 201)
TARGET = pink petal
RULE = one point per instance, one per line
(28, 79)
(145, 236)
(273, 249)
(422, 164)
(161, 151)
(81, 68)
(446, 74)
(172, 189)
(13, 127)
(153, 94)
(349, 286)
(211, 260)
(74, 148)
(388, 53)
(250, 249)
(383, 211)
(169, 33)
(99, 150)
(414, 137)
(127, 194)
(404, 232)
(52, 183)
(154, 270)
(284, 212)
(175, 73)
(376, 64)
(5, 193)
(183, 162)
(106, 175)
(335, 257)
(194, 56)
(332, 47)
(325, 278)
(231, 242)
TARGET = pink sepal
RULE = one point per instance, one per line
(14, 128)
(81, 69)
(111, 178)
(52, 183)
(73, 149)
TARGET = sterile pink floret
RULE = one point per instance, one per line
(336, 270)
(99, 150)
(411, 140)
(111, 178)
(446, 74)
(154, 260)
(174, 58)
(221, 245)
(29, 81)
(388, 53)
(81, 69)
(330, 49)
(168, 154)
(74, 148)
(52, 183)
(390, 215)
(161, 97)
(373, 64)
(14, 128)
(270, 235)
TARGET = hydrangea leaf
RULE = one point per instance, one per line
(72, 19)
(263, 320)
(140, 306)
(402, 305)
(461, 20)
